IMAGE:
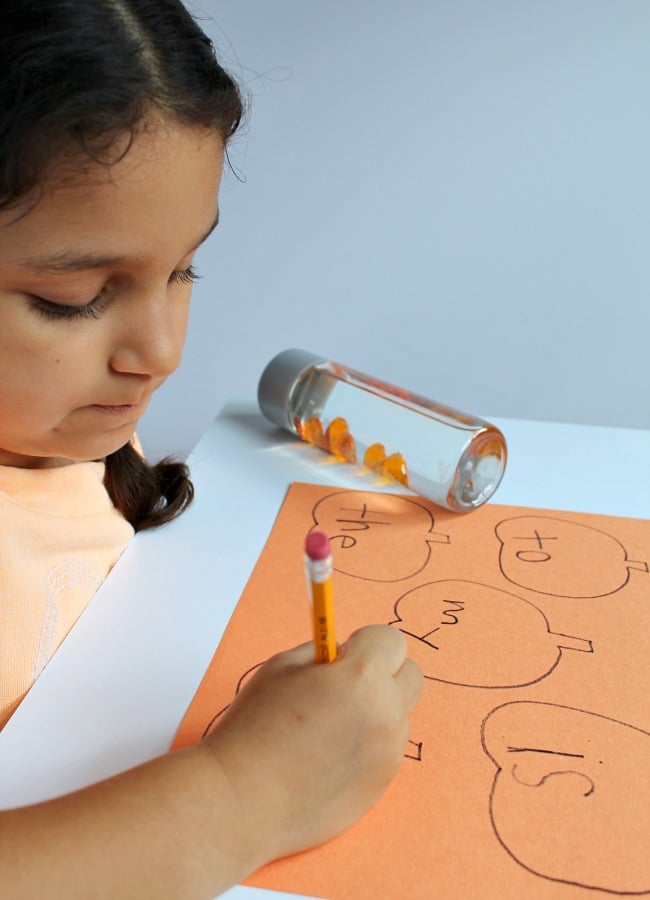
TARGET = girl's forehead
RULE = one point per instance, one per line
(158, 151)
(167, 181)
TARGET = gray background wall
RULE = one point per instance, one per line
(453, 195)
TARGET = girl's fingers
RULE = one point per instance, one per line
(385, 645)
(383, 642)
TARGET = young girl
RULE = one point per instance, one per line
(114, 121)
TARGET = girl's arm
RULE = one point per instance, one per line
(302, 753)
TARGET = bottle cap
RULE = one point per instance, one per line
(278, 381)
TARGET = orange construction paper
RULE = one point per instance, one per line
(527, 773)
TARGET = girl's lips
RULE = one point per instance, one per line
(115, 409)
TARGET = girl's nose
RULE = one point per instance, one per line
(150, 336)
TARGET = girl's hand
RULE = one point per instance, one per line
(308, 748)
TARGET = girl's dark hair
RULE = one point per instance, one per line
(82, 75)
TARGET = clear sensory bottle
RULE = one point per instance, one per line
(452, 458)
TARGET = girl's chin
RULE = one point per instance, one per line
(64, 453)
(101, 448)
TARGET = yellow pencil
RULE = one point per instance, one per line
(318, 561)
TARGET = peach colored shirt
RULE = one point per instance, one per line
(59, 537)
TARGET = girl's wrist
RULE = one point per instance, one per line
(232, 825)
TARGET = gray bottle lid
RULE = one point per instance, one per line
(278, 381)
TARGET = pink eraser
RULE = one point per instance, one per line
(317, 545)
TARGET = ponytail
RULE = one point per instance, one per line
(147, 496)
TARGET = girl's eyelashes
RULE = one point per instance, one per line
(92, 310)
(185, 276)
(50, 310)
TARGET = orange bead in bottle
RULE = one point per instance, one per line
(394, 466)
(339, 441)
(374, 457)
(312, 432)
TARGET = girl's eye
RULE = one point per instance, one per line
(92, 310)
(50, 310)
(184, 276)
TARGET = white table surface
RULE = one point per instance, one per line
(117, 689)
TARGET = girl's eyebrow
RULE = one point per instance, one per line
(70, 261)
